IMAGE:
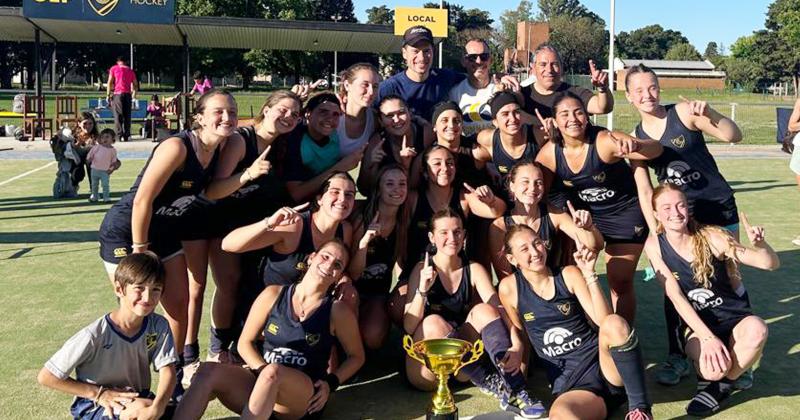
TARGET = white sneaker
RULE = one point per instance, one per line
(796, 241)
(188, 373)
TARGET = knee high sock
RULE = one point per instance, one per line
(191, 353)
(628, 359)
(673, 328)
(496, 341)
(220, 339)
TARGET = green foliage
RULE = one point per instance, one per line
(648, 43)
(507, 35)
(682, 51)
(578, 40)
(549, 9)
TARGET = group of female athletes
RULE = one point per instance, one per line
(305, 274)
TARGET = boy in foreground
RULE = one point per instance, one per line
(110, 357)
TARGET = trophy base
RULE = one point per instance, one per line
(447, 416)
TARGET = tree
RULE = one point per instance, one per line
(578, 40)
(549, 9)
(648, 43)
(683, 51)
(507, 34)
(783, 18)
(388, 63)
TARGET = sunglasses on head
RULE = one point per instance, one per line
(474, 57)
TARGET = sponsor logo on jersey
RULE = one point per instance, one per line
(374, 272)
(244, 191)
(150, 341)
(567, 183)
(675, 274)
(187, 184)
(703, 298)
(564, 308)
(679, 141)
(120, 252)
(528, 316)
(601, 177)
(596, 195)
(285, 356)
(503, 169)
(558, 341)
(312, 339)
(273, 329)
(638, 230)
(177, 208)
(680, 173)
(301, 266)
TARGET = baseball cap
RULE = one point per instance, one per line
(418, 33)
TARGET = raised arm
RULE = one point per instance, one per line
(497, 233)
(482, 202)
(419, 284)
(577, 225)
(603, 101)
(759, 255)
(615, 145)
(582, 280)
(697, 115)
(225, 181)
(305, 190)
(274, 229)
(482, 149)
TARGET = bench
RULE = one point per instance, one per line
(102, 111)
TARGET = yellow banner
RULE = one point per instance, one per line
(433, 19)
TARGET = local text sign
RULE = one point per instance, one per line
(433, 19)
(133, 11)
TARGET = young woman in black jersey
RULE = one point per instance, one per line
(382, 233)
(450, 296)
(292, 235)
(439, 191)
(151, 215)
(399, 139)
(589, 167)
(509, 142)
(448, 123)
(590, 369)
(526, 188)
(698, 266)
(686, 163)
(247, 188)
(286, 376)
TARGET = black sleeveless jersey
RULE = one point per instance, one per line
(504, 162)
(687, 163)
(267, 193)
(714, 305)
(178, 197)
(419, 144)
(466, 171)
(558, 330)
(303, 345)
(419, 227)
(285, 269)
(603, 188)
(376, 280)
(453, 308)
(547, 233)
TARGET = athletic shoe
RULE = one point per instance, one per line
(796, 241)
(493, 385)
(673, 370)
(92, 199)
(188, 373)
(707, 401)
(744, 381)
(221, 357)
(523, 405)
(638, 414)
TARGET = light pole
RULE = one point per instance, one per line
(336, 18)
(611, 74)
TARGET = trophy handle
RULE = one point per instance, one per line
(408, 345)
(477, 352)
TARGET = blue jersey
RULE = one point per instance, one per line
(607, 190)
(454, 307)
(421, 97)
(716, 305)
(503, 161)
(304, 345)
(285, 269)
(687, 163)
(558, 331)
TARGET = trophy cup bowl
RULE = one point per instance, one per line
(443, 356)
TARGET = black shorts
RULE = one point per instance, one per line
(591, 379)
(116, 239)
(722, 330)
(626, 226)
(724, 213)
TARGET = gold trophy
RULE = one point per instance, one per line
(443, 356)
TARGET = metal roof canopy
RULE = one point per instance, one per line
(208, 32)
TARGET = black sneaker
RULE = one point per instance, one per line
(707, 401)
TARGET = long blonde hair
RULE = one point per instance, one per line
(703, 256)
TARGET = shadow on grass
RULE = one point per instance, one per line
(70, 213)
(46, 237)
(764, 188)
(19, 201)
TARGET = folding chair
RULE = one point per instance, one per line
(34, 122)
(67, 111)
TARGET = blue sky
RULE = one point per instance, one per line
(700, 21)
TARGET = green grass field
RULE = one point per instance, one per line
(53, 284)
(755, 113)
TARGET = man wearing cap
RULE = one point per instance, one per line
(539, 96)
(419, 85)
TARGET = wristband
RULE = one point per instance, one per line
(99, 393)
(332, 380)
(602, 89)
(423, 294)
(591, 278)
(268, 226)
(140, 245)
(257, 371)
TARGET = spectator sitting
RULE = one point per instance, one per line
(155, 113)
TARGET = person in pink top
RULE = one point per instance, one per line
(122, 80)
(201, 84)
(103, 161)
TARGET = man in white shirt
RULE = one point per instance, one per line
(473, 93)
